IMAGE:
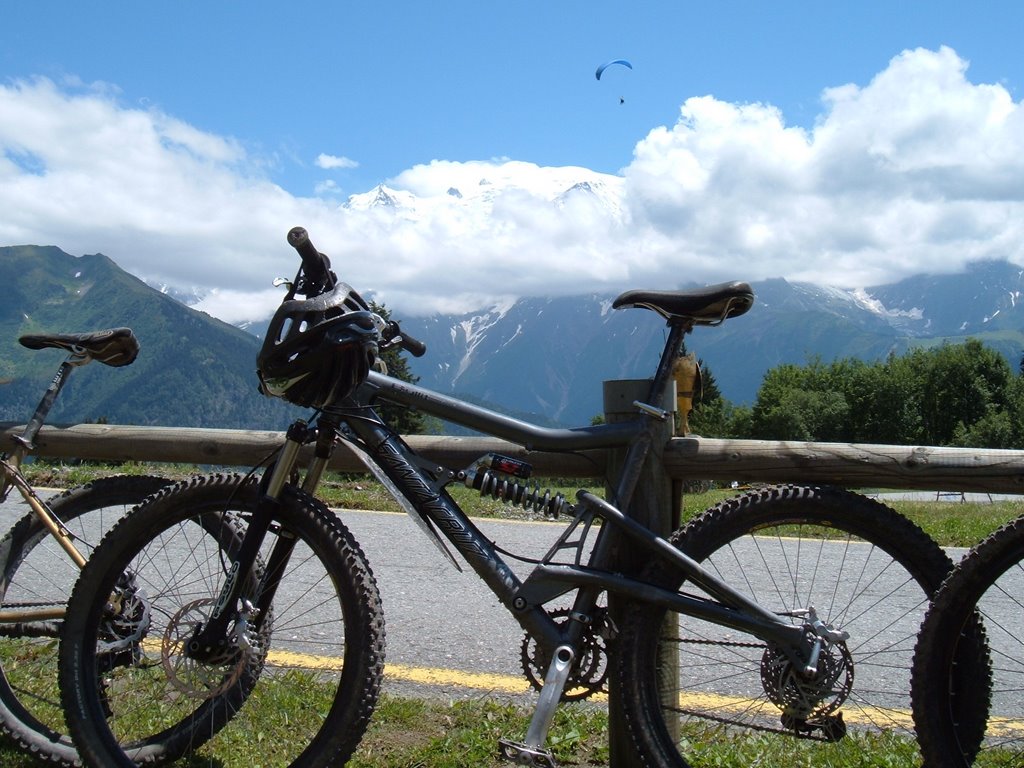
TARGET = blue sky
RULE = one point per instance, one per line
(182, 139)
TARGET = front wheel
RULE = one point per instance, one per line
(983, 598)
(300, 677)
(696, 691)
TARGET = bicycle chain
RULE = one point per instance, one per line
(754, 726)
(733, 644)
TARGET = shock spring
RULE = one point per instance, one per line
(518, 494)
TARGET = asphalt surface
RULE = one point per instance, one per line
(445, 630)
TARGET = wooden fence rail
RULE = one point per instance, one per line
(856, 466)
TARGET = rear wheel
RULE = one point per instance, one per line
(301, 677)
(984, 597)
(692, 689)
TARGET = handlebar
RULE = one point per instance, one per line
(317, 277)
(316, 267)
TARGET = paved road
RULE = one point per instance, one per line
(440, 619)
(437, 617)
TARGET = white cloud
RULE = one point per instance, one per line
(327, 188)
(330, 161)
(917, 170)
(233, 306)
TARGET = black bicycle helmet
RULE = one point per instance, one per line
(319, 349)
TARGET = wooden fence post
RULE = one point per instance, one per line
(656, 504)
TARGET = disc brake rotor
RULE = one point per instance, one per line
(209, 677)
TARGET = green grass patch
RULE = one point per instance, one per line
(464, 734)
(950, 523)
(53, 473)
(954, 524)
(421, 733)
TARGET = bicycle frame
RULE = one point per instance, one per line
(11, 476)
(420, 487)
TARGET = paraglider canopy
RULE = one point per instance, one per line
(607, 64)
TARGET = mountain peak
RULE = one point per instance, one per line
(478, 194)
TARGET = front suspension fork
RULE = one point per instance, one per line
(210, 639)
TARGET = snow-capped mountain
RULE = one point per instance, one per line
(189, 297)
(478, 194)
(548, 357)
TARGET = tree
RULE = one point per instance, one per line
(800, 403)
(954, 394)
(1000, 427)
(961, 384)
(402, 419)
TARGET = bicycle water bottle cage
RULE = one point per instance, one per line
(711, 305)
(115, 347)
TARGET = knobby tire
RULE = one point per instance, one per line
(691, 688)
(301, 689)
(974, 623)
(36, 571)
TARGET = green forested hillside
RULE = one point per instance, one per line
(192, 370)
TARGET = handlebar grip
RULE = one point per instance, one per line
(394, 334)
(414, 347)
(315, 265)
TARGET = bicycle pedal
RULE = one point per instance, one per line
(524, 754)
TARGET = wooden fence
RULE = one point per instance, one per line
(855, 466)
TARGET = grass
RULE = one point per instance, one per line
(435, 733)
(951, 524)
(408, 732)
(954, 524)
(465, 733)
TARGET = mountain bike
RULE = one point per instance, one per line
(968, 673)
(42, 553)
(230, 610)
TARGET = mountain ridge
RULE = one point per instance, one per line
(790, 322)
(540, 358)
(192, 369)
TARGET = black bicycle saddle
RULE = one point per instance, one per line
(709, 305)
(116, 346)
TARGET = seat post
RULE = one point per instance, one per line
(26, 440)
(678, 328)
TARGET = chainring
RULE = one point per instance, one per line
(590, 670)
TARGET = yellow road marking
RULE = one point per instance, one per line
(515, 684)
(452, 677)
